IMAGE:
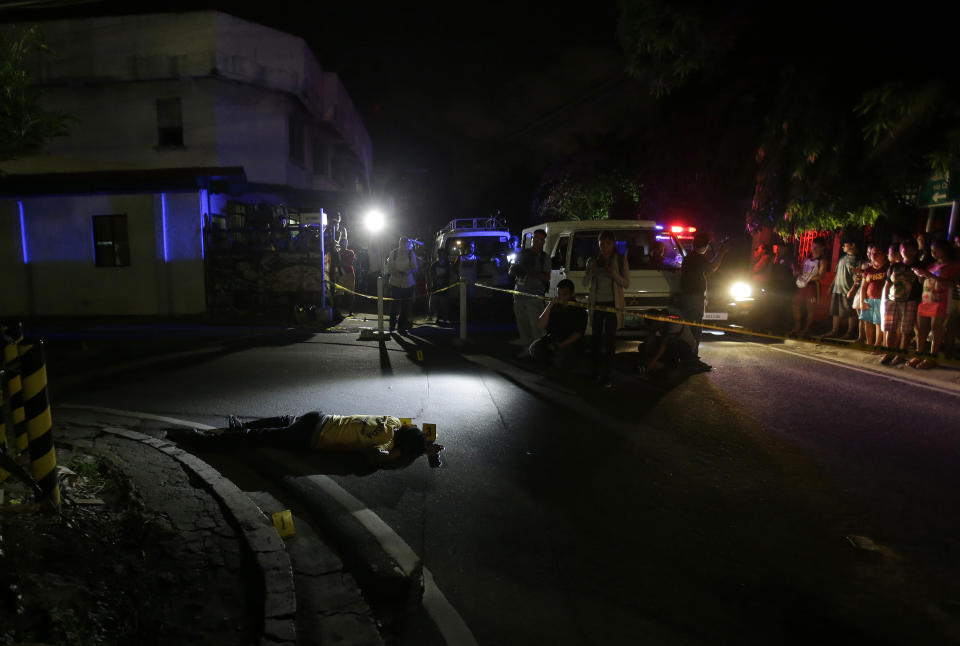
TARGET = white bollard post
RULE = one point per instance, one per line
(463, 311)
(380, 305)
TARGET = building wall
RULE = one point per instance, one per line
(114, 127)
(165, 275)
(14, 294)
(253, 133)
(109, 71)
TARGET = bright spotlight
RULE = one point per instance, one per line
(740, 291)
(374, 220)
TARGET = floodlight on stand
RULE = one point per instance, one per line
(374, 220)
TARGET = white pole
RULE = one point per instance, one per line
(380, 305)
(463, 310)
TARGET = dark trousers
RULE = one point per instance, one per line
(563, 358)
(401, 308)
(283, 432)
(604, 341)
(691, 306)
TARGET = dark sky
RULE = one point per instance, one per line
(477, 98)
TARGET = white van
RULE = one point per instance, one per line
(571, 243)
(491, 238)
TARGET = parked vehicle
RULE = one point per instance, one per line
(734, 293)
(654, 279)
(492, 242)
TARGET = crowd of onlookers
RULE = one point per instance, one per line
(896, 298)
(902, 300)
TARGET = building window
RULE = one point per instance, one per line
(320, 166)
(111, 244)
(169, 122)
(296, 141)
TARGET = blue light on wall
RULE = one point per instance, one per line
(204, 209)
(23, 235)
(163, 225)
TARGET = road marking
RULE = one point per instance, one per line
(127, 413)
(875, 373)
(448, 621)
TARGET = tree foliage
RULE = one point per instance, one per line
(25, 126)
(851, 114)
(586, 187)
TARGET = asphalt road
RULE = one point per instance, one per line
(717, 511)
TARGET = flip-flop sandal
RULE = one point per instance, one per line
(898, 361)
(916, 361)
(887, 358)
(927, 364)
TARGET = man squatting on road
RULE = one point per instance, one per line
(380, 439)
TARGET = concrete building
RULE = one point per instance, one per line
(183, 123)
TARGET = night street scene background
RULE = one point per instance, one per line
(719, 407)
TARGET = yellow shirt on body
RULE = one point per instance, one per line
(356, 432)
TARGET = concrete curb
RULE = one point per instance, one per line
(391, 573)
(940, 378)
(260, 536)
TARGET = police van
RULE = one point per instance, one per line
(491, 240)
(654, 278)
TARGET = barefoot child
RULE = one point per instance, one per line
(871, 290)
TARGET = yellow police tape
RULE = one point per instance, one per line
(341, 288)
(706, 326)
(736, 330)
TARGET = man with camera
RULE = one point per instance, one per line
(564, 326)
(693, 282)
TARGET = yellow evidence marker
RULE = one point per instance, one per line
(283, 522)
(406, 421)
(430, 432)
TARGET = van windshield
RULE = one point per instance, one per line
(640, 246)
(486, 246)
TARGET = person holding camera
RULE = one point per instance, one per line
(693, 282)
(531, 273)
(563, 326)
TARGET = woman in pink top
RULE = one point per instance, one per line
(940, 276)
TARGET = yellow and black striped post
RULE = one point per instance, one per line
(13, 427)
(36, 404)
(11, 338)
(4, 407)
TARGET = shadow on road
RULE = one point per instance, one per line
(385, 367)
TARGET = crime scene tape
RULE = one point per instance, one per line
(341, 288)
(733, 330)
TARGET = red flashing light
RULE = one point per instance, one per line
(679, 229)
(691, 229)
(676, 229)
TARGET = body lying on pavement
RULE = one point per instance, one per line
(380, 440)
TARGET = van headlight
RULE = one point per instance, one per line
(740, 291)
